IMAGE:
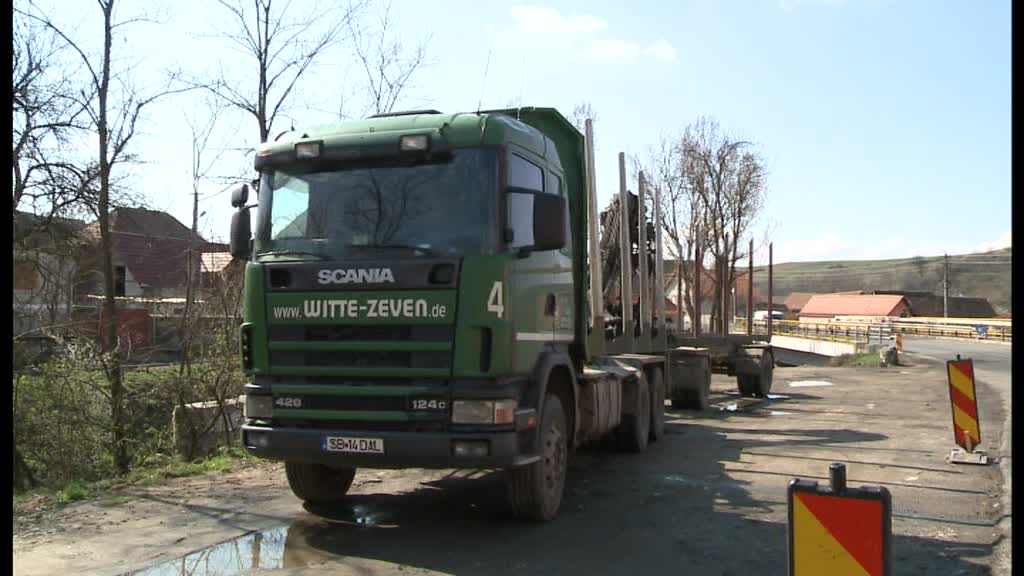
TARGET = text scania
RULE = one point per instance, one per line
(357, 275)
(370, 308)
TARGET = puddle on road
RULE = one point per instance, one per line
(808, 383)
(779, 413)
(271, 549)
(257, 550)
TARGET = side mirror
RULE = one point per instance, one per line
(548, 222)
(241, 233)
(239, 196)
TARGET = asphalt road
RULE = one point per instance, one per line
(992, 370)
(708, 498)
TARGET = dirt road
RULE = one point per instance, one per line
(709, 498)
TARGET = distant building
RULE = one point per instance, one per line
(931, 305)
(826, 307)
(796, 301)
(46, 253)
(150, 250)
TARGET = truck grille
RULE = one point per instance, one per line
(363, 425)
(328, 333)
(363, 359)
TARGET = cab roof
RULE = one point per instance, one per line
(459, 129)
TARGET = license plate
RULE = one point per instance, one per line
(357, 445)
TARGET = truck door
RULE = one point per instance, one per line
(531, 289)
(562, 319)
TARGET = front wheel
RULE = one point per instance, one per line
(318, 484)
(535, 490)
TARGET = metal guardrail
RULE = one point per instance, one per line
(878, 331)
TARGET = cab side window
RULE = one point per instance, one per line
(525, 175)
(555, 187)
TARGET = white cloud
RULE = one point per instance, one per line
(1004, 241)
(619, 50)
(585, 33)
(541, 20)
(661, 50)
(881, 250)
(613, 50)
(828, 247)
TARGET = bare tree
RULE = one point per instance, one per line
(729, 179)
(580, 113)
(682, 215)
(112, 107)
(48, 117)
(383, 58)
(283, 44)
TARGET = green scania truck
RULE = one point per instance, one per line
(419, 292)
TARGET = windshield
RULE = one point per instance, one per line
(439, 207)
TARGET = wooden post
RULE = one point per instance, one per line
(724, 279)
(750, 290)
(698, 269)
(625, 257)
(771, 300)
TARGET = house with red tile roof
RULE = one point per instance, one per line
(150, 250)
(826, 307)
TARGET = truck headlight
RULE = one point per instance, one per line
(258, 406)
(483, 411)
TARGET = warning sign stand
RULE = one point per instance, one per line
(963, 402)
(837, 530)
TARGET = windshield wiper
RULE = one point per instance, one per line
(423, 249)
(293, 253)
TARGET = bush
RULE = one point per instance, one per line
(62, 419)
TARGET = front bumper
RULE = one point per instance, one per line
(401, 449)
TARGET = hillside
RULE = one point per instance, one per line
(983, 275)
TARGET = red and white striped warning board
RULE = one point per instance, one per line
(838, 534)
(964, 403)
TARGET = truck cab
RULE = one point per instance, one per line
(409, 293)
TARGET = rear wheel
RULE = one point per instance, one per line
(535, 490)
(759, 384)
(695, 392)
(317, 483)
(635, 429)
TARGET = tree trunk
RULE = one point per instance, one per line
(113, 367)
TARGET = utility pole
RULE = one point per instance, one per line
(945, 286)
(750, 289)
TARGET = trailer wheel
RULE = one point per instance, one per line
(758, 384)
(635, 429)
(693, 398)
(657, 405)
(316, 483)
(535, 490)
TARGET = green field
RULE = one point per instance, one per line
(983, 275)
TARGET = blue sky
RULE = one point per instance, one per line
(885, 124)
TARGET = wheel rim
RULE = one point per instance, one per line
(554, 464)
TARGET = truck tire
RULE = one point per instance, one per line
(758, 384)
(635, 429)
(696, 398)
(657, 404)
(535, 490)
(316, 483)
